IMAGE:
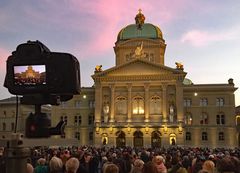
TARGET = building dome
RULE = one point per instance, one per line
(187, 81)
(140, 30)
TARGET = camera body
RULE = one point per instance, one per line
(33, 69)
(42, 77)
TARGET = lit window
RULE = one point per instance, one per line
(138, 105)
(155, 105)
(219, 101)
(204, 136)
(221, 136)
(121, 106)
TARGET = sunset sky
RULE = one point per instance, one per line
(204, 35)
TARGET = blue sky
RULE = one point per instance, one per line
(204, 35)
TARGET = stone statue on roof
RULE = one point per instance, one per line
(140, 18)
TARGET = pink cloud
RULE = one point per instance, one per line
(200, 38)
(110, 16)
(99, 22)
(3, 58)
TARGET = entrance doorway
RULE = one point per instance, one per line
(104, 139)
(138, 139)
(172, 139)
(121, 139)
(156, 139)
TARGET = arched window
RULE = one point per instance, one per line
(156, 139)
(188, 119)
(104, 139)
(155, 105)
(121, 105)
(138, 139)
(204, 118)
(121, 139)
(138, 105)
(172, 139)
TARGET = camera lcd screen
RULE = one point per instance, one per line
(30, 75)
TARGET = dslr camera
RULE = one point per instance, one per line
(42, 77)
(33, 69)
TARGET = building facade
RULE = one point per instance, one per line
(143, 103)
(8, 112)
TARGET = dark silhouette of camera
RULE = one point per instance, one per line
(42, 77)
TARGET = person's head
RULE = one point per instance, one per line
(208, 165)
(29, 168)
(111, 168)
(87, 156)
(72, 165)
(55, 164)
(149, 167)
(138, 163)
(41, 161)
(158, 159)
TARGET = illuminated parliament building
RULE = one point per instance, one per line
(143, 103)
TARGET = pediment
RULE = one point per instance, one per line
(138, 67)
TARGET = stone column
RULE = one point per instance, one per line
(129, 103)
(98, 102)
(164, 102)
(112, 112)
(179, 101)
(146, 86)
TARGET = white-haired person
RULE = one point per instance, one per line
(159, 163)
(41, 166)
(137, 166)
(55, 165)
(72, 165)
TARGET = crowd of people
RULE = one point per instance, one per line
(88, 159)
